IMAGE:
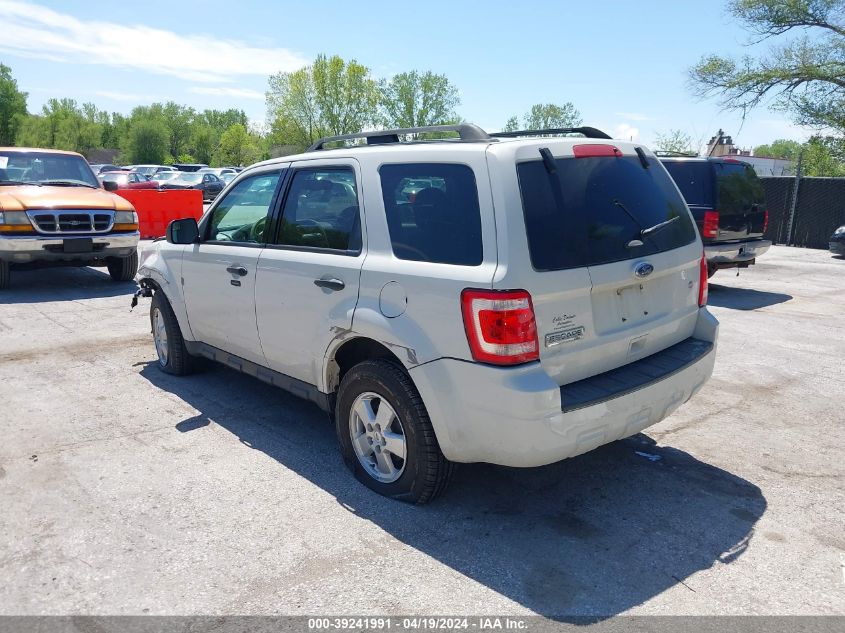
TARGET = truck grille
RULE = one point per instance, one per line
(75, 221)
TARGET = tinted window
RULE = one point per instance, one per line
(241, 216)
(592, 208)
(694, 179)
(739, 187)
(432, 212)
(321, 210)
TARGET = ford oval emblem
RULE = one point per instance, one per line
(643, 270)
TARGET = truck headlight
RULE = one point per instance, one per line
(125, 217)
(14, 222)
(125, 221)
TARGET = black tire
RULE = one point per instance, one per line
(5, 274)
(178, 361)
(123, 268)
(426, 471)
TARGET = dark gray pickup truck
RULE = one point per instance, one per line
(727, 201)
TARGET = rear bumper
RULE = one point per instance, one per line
(736, 253)
(519, 416)
(31, 248)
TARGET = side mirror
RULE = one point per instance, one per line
(184, 231)
(110, 185)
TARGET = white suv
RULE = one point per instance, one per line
(480, 299)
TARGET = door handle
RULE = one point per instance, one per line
(331, 284)
(240, 271)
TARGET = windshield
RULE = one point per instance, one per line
(165, 175)
(188, 179)
(39, 168)
(598, 210)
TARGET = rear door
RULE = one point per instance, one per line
(741, 201)
(605, 293)
(308, 275)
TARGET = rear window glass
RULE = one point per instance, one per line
(695, 180)
(739, 187)
(593, 209)
(432, 212)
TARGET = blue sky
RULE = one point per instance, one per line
(623, 64)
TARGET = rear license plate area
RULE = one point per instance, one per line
(78, 245)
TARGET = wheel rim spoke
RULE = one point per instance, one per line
(385, 464)
(378, 438)
(395, 443)
(362, 444)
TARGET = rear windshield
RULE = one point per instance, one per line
(695, 180)
(739, 187)
(592, 211)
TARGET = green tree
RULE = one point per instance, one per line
(330, 97)
(819, 160)
(12, 106)
(543, 116)
(414, 99)
(179, 121)
(786, 149)
(237, 147)
(204, 143)
(147, 141)
(511, 125)
(803, 75)
(674, 141)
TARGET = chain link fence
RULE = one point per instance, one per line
(819, 209)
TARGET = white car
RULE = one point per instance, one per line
(540, 297)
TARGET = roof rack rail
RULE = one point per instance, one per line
(589, 132)
(666, 152)
(466, 131)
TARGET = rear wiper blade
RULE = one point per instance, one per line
(657, 227)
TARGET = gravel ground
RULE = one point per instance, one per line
(126, 491)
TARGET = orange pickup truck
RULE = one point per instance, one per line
(54, 212)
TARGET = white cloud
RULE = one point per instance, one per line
(30, 30)
(241, 93)
(633, 116)
(626, 132)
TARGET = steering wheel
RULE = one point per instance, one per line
(313, 223)
(256, 233)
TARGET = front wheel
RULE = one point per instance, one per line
(123, 268)
(173, 356)
(386, 437)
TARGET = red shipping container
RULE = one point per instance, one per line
(157, 209)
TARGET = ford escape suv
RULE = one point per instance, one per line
(727, 201)
(54, 212)
(515, 298)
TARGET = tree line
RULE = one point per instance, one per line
(330, 97)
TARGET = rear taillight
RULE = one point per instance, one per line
(702, 282)
(500, 326)
(765, 220)
(711, 224)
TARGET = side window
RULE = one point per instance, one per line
(241, 216)
(432, 212)
(321, 210)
